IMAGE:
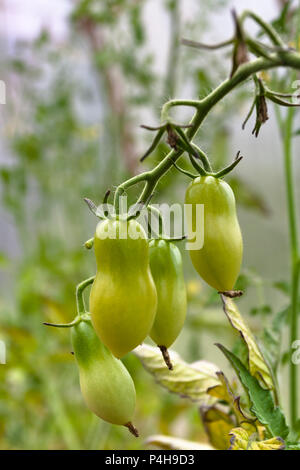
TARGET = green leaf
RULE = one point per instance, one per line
(174, 443)
(262, 404)
(187, 380)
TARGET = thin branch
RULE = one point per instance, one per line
(201, 45)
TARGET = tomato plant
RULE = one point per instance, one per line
(136, 294)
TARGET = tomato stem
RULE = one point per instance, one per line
(79, 294)
(64, 325)
(201, 45)
(294, 328)
(152, 209)
(166, 357)
(132, 429)
(269, 30)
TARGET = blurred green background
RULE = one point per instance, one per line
(80, 79)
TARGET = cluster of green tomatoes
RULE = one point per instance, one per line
(139, 291)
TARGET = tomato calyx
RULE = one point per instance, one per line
(203, 172)
(230, 167)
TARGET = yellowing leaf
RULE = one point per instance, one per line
(246, 439)
(174, 443)
(276, 443)
(222, 391)
(240, 439)
(187, 380)
(257, 364)
(218, 425)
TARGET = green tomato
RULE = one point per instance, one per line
(106, 386)
(123, 297)
(167, 272)
(219, 261)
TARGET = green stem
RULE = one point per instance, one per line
(269, 30)
(291, 205)
(127, 184)
(204, 158)
(185, 172)
(287, 132)
(257, 49)
(79, 294)
(212, 47)
(172, 103)
(64, 325)
(160, 220)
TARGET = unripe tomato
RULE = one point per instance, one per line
(105, 383)
(123, 297)
(166, 268)
(219, 261)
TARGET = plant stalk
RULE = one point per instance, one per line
(287, 127)
(294, 253)
(79, 294)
